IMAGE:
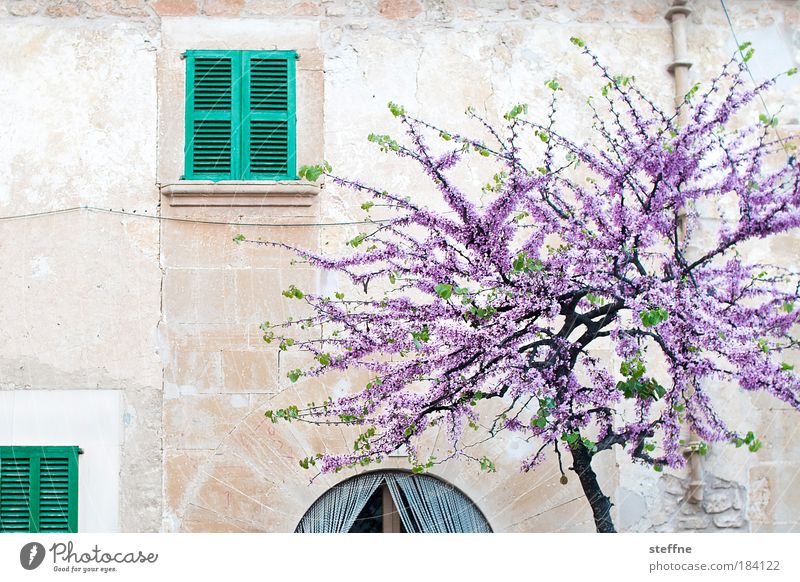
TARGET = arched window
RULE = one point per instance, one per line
(393, 502)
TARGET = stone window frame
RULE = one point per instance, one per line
(179, 34)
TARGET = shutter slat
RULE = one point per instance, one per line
(269, 84)
(15, 513)
(54, 495)
(269, 147)
(212, 146)
(212, 83)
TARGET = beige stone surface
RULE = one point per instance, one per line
(175, 7)
(168, 312)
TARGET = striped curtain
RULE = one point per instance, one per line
(337, 510)
(425, 504)
(433, 506)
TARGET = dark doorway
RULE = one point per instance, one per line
(379, 515)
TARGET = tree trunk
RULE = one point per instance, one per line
(600, 503)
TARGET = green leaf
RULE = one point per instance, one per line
(339, 295)
(788, 306)
(516, 110)
(385, 142)
(392, 278)
(356, 241)
(294, 375)
(324, 359)
(652, 317)
(553, 85)
(312, 173)
(577, 42)
(747, 51)
(444, 290)
(396, 109)
(792, 71)
(293, 292)
(367, 205)
(658, 467)
(239, 238)
(770, 121)
(487, 465)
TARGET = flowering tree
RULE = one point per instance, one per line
(579, 243)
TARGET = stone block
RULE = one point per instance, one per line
(175, 7)
(195, 371)
(201, 520)
(774, 493)
(306, 9)
(399, 9)
(717, 502)
(730, 519)
(223, 7)
(23, 7)
(696, 521)
(181, 471)
(198, 296)
(64, 8)
(251, 371)
(202, 421)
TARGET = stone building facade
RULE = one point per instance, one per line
(138, 339)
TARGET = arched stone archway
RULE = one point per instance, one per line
(393, 502)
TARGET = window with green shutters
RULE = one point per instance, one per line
(240, 115)
(39, 489)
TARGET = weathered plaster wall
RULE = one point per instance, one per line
(123, 303)
(81, 297)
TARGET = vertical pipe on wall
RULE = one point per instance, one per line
(678, 15)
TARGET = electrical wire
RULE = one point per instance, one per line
(750, 73)
(144, 214)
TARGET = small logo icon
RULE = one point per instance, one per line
(31, 555)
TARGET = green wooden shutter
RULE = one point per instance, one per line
(212, 115)
(268, 140)
(39, 489)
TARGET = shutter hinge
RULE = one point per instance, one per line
(184, 55)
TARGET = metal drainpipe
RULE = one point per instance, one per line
(678, 15)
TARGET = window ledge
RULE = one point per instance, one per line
(240, 193)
